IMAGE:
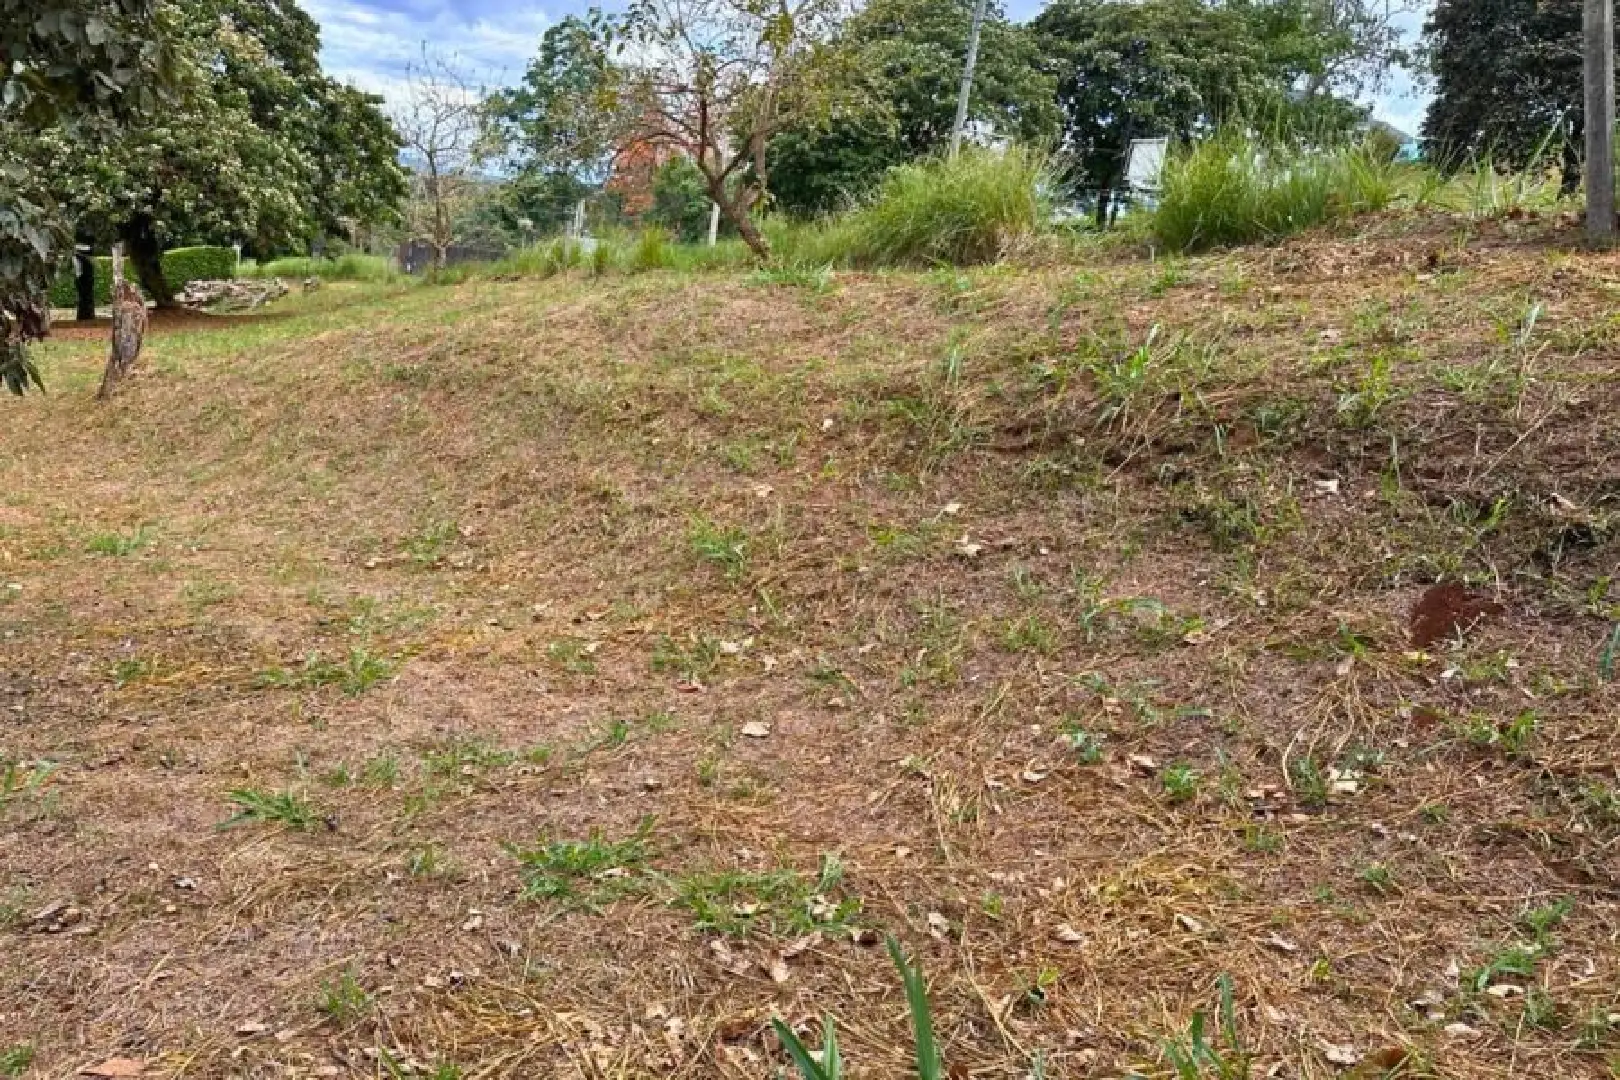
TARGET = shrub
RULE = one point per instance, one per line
(1235, 189)
(180, 267)
(969, 209)
(351, 267)
(680, 200)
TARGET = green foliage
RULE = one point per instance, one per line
(586, 872)
(181, 266)
(1195, 1057)
(1233, 188)
(725, 547)
(1476, 48)
(1180, 782)
(83, 68)
(257, 146)
(970, 209)
(14, 1060)
(272, 807)
(680, 200)
(350, 267)
(343, 999)
(930, 1065)
(356, 673)
(119, 544)
(905, 60)
(828, 1066)
(1179, 68)
(779, 902)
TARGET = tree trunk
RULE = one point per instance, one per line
(84, 282)
(146, 256)
(1569, 180)
(735, 208)
(1104, 198)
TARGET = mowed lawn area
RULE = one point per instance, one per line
(562, 678)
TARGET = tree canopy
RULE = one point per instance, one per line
(1178, 68)
(1507, 79)
(81, 66)
(906, 59)
(257, 146)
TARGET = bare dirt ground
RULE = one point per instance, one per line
(563, 678)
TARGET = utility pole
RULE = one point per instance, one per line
(967, 76)
(1599, 26)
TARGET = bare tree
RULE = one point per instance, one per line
(439, 123)
(718, 79)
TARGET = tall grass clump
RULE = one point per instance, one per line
(1234, 188)
(969, 209)
(351, 267)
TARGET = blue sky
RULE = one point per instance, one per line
(370, 42)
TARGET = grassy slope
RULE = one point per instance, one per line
(564, 541)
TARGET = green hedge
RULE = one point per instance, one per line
(180, 267)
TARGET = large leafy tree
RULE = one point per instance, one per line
(1508, 81)
(1178, 68)
(258, 147)
(554, 130)
(906, 57)
(85, 66)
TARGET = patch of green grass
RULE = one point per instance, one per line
(943, 211)
(778, 902)
(573, 655)
(119, 544)
(19, 781)
(1309, 781)
(343, 1000)
(1377, 877)
(1234, 188)
(1087, 745)
(692, 659)
(466, 755)
(14, 1060)
(724, 547)
(428, 546)
(284, 808)
(1515, 960)
(380, 771)
(1197, 1056)
(1180, 782)
(582, 873)
(1029, 634)
(429, 861)
(356, 673)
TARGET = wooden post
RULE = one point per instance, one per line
(967, 78)
(714, 223)
(1599, 27)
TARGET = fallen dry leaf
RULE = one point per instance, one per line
(113, 1068)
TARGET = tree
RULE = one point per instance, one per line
(718, 80)
(1508, 82)
(256, 146)
(1178, 68)
(906, 56)
(439, 122)
(81, 65)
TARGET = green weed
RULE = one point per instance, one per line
(356, 673)
(726, 548)
(582, 873)
(343, 999)
(284, 808)
(119, 544)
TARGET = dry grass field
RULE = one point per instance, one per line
(563, 678)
